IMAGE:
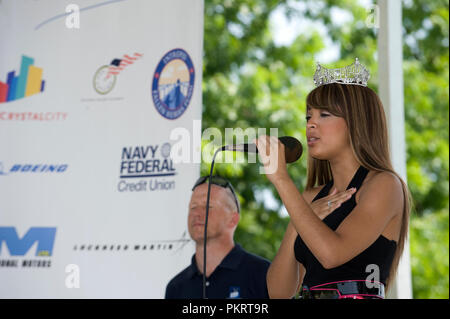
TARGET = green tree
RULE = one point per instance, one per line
(250, 82)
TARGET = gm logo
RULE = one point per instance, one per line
(44, 236)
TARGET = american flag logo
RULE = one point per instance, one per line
(117, 65)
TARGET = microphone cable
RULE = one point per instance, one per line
(293, 152)
(206, 222)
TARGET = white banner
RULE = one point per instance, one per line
(92, 203)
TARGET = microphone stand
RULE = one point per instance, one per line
(295, 149)
(206, 222)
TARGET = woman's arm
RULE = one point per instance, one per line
(380, 202)
(283, 274)
(377, 206)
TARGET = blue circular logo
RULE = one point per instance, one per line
(173, 84)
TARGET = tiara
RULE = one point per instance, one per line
(354, 73)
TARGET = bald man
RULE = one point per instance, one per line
(231, 272)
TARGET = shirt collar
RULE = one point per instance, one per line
(192, 270)
(231, 261)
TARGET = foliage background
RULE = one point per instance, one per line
(251, 81)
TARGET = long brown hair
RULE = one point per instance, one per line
(363, 112)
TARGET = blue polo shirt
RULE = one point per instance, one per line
(239, 275)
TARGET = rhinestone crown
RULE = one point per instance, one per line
(354, 73)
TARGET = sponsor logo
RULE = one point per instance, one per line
(173, 84)
(28, 82)
(41, 237)
(34, 168)
(146, 168)
(235, 292)
(174, 245)
(33, 116)
(106, 76)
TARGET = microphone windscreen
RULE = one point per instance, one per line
(293, 148)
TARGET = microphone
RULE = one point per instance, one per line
(292, 148)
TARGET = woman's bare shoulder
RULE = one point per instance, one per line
(381, 180)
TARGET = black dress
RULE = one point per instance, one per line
(380, 253)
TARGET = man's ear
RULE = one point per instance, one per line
(235, 219)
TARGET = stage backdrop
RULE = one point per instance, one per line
(92, 204)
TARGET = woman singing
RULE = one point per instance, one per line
(348, 228)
